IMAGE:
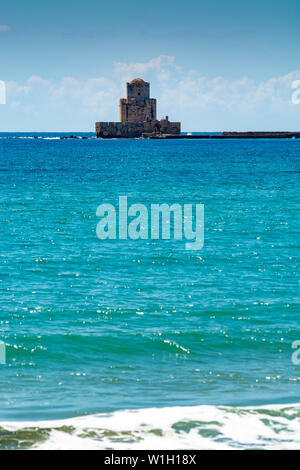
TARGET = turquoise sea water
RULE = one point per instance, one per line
(93, 328)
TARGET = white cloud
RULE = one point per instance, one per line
(36, 80)
(14, 89)
(162, 65)
(4, 28)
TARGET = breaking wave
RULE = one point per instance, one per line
(197, 427)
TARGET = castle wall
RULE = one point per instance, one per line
(138, 111)
(168, 127)
(136, 129)
(118, 129)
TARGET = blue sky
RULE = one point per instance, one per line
(214, 65)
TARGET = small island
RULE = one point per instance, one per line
(138, 116)
(138, 120)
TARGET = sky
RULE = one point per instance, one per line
(213, 65)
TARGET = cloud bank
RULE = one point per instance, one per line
(201, 103)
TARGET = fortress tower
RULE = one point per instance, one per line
(138, 106)
(137, 116)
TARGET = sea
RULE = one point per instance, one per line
(142, 344)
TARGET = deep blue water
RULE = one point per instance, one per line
(93, 326)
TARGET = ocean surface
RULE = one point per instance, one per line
(123, 344)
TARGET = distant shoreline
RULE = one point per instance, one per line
(234, 135)
(186, 135)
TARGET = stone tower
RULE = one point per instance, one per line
(138, 106)
(137, 116)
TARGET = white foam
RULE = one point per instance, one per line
(198, 427)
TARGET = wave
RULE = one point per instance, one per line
(173, 428)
